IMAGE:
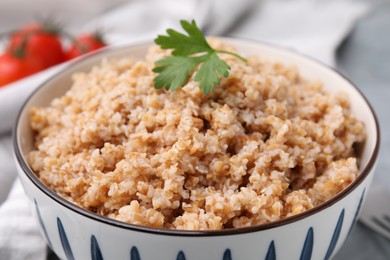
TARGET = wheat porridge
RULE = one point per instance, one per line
(265, 145)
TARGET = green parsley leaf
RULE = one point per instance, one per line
(210, 72)
(189, 51)
(184, 45)
(173, 71)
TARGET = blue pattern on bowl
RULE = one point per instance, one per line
(181, 256)
(306, 252)
(96, 254)
(42, 224)
(336, 235)
(227, 255)
(308, 245)
(134, 255)
(357, 212)
(271, 254)
(64, 240)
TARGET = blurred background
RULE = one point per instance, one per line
(352, 36)
(73, 13)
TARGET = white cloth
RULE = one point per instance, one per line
(312, 27)
(20, 237)
(315, 28)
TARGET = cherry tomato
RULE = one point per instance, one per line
(40, 43)
(13, 68)
(30, 27)
(85, 43)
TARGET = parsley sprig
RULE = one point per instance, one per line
(189, 51)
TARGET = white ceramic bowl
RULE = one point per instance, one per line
(74, 233)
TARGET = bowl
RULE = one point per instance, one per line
(75, 233)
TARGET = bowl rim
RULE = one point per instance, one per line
(189, 233)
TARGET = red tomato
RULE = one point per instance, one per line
(38, 43)
(31, 27)
(13, 68)
(85, 43)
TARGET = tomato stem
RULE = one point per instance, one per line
(50, 25)
(20, 51)
(72, 39)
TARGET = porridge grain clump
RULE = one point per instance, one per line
(265, 145)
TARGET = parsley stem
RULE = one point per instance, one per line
(233, 54)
